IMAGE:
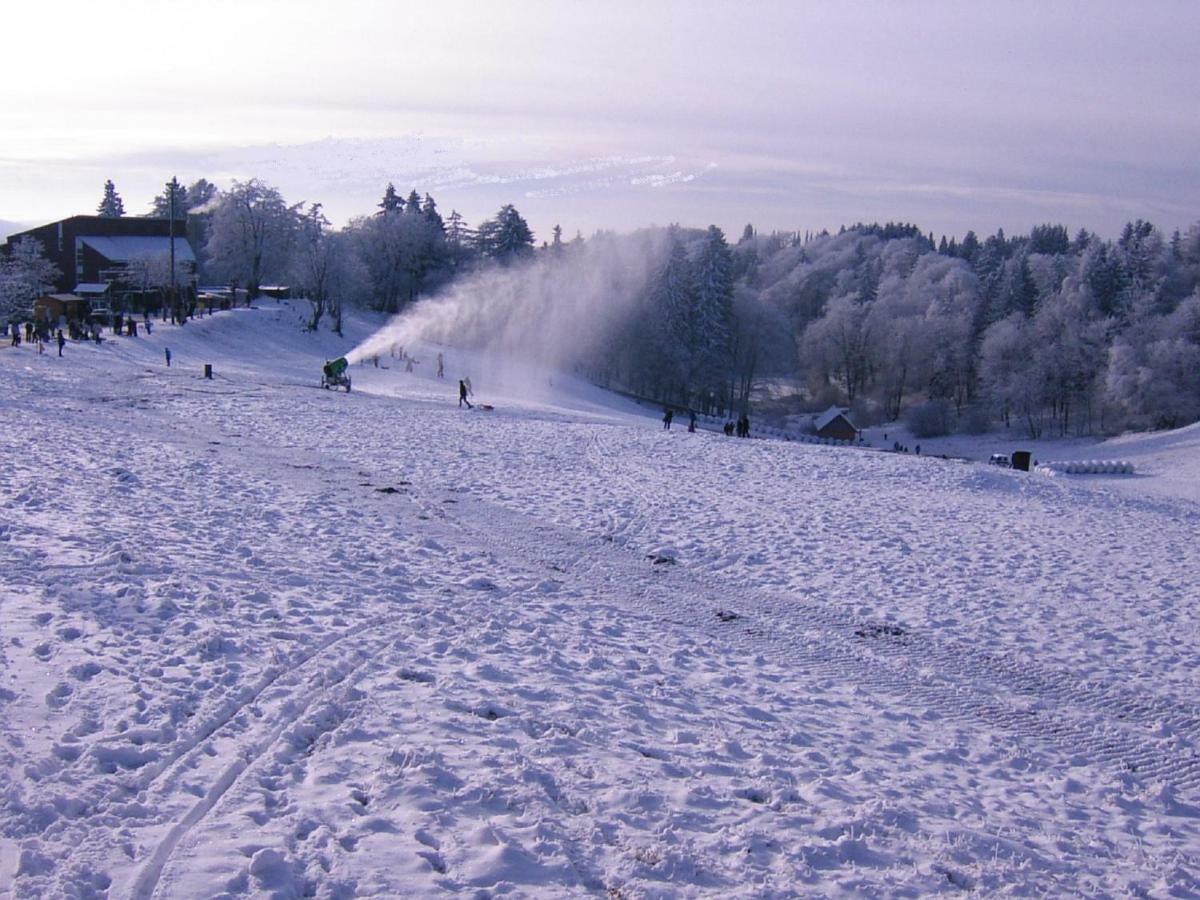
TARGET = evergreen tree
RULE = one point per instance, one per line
(111, 207)
(1049, 239)
(413, 205)
(969, 247)
(673, 336)
(458, 232)
(391, 201)
(713, 317)
(432, 216)
(201, 193)
(161, 205)
(507, 237)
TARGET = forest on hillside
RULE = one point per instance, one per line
(1049, 332)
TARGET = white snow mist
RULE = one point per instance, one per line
(557, 311)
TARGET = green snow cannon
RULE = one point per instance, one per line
(335, 373)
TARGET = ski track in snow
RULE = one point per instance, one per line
(261, 639)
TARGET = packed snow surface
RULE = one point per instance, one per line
(260, 639)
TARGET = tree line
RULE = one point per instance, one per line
(1049, 332)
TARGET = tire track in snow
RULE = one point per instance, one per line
(1123, 723)
(1103, 724)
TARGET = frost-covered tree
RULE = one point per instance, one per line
(403, 255)
(252, 233)
(325, 268)
(111, 206)
(506, 238)
(313, 261)
(25, 274)
(712, 318)
(840, 344)
(1153, 373)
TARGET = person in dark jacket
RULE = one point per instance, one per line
(462, 395)
(61, 341)
(667, 417)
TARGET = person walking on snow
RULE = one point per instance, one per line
(61, 341)
(667, 417)
(441, 369)
(462, 395)
(167, 353)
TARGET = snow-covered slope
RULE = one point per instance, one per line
(264, 639)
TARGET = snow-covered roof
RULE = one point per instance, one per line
(94, 287)
(125, 248)
(62, 298)
(828, 416)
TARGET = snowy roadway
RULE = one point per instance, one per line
(260, 639)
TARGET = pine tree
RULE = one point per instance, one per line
(458, 233)
(414, 203)
(713, 274)
(506, 237)
(672, 303)
(162, 207)
(111, 207)
(391, 202)
(969, 247)
(201, 193)
(430, 211)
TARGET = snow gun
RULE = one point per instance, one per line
(334, 374)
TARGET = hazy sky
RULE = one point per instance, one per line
(953, 115)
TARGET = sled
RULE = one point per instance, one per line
(335, 373)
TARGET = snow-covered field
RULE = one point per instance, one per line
(257, 638)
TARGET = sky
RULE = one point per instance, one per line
(796, 116)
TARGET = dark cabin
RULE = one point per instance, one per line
(835, 425)
(95, 249)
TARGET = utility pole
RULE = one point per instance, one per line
(173, 188)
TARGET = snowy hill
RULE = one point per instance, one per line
(262, 639)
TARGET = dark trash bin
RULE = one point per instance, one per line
(1020, 460)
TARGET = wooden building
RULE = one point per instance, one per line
(94, 249)
(835, 425)
(53, 308)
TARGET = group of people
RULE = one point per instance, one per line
(37, 333)
(741, 427)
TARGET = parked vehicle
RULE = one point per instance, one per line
(1000, 459)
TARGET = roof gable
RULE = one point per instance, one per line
(829, 416)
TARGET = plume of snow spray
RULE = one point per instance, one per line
(556, 311)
